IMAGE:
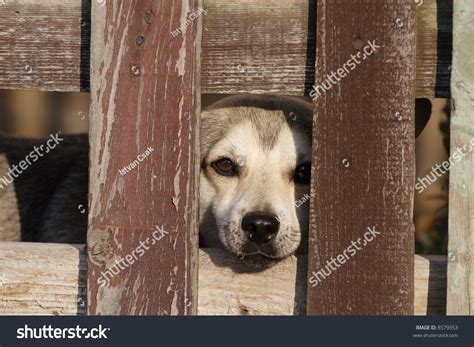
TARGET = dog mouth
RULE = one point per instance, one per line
(258, 262)
(253, 250)
(248, 250)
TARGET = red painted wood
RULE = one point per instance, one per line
(145, 94)
(363, 161)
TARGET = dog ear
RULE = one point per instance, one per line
(422, 115)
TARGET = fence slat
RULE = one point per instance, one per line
(41, 285)
(142, 239)
(246, 47)
(363, 155)
(460, 299)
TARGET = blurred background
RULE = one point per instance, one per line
(38, 114)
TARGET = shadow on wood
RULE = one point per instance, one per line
(50, 279)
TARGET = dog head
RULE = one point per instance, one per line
(255, 175)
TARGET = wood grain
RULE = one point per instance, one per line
(228, 287)
(254, 46)
(363, 155)
(145, 94)
(52, 281)
(42, 279)
(248, 46)
(433, 48)
(461, 181)
(44, 45)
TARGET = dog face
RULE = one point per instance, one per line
(255, 175)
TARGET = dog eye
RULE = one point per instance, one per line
(224, 167)
(303, 174)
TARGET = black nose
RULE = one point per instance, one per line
(260, 228)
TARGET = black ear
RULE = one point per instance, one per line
(422, 115)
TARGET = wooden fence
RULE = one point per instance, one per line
(145, 87)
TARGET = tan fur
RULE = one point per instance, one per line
(270, 135)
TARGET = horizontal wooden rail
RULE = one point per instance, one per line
(248, 46)
(42, 278)
(50, 279)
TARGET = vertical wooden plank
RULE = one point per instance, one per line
(363, 161)
(460, 299)
(145, 91)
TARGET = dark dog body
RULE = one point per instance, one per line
(47, 201)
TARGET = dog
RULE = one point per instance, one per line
(43, 189)
(255, 177)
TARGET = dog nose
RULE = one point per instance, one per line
(260, 228)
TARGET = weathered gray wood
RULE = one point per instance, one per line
(145, 94)
(248, 46)
(363, 161)
(461, 179)
(44, 45)
(42, 279)
(226, 287)
(52, 281)
(433, 48)
(255, 46)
